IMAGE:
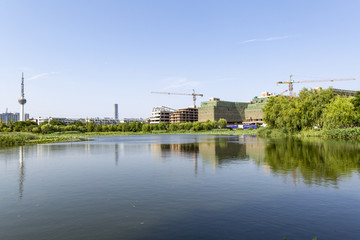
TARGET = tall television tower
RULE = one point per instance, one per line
(22, 100)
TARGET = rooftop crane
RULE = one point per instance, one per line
(188, 94)
(307, 81)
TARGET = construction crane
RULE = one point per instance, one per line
(291, 82)
(194, 95)
(282, 92)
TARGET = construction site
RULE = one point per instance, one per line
(246, 113)
(215, 109)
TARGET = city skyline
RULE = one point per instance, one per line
(80, 58)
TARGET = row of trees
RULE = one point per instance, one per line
(57, 126)
(312, 108)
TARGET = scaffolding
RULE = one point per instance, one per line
(184, 115)
(215, 109)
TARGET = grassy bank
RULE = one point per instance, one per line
(346, 133)
(23, 138)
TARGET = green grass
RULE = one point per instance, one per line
(22, 138)
(346, 133)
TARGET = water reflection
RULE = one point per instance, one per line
(214, 151)
(314, 161)
(135, 187)
(21, 172)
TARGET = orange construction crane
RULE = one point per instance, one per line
(308, 81)
(188, 94)
(282, 92)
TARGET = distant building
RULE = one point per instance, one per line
(12, 117)
(103, 121)
(116, 111)
(343, 92)
(161, 114)
(66, 121)
(129, 120)
(189, 114)
(233, 112)
(254, 113)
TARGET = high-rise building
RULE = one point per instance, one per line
(116, 112)
(9, 117)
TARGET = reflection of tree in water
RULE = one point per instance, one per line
(317, 161)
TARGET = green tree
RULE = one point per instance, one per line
(98, 128)
(356, 101)
(124, 127)
(90, 127)
(197, 126)
(162, 126)
(55, 122)
(340, 113)
(297, 113)
(174, 127)
(146, 128)
(222, 123)
(36, 130)
(47, 128)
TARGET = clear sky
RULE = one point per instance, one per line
(80, 57)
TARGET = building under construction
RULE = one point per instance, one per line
(189, 114)
(253, 112)
(215, 109)
(343, 92)
(161, 114)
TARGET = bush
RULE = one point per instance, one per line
(222, 123)
(47, 128)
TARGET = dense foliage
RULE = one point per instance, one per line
(57, 126)
(312, 109)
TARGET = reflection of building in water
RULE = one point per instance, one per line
(190, 150)
(222, 151)
(21, 172)
(213, 151)
(116, 154)
(255, 149)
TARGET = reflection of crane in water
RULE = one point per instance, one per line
(21, 172)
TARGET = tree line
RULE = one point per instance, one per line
(58, 126)
(313, 108)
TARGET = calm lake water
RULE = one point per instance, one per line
(181, 187)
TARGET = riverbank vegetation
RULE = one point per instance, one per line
(23, 138)
(21, 133)
(313, 113)
(134, 127)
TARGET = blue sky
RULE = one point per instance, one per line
(81, 57)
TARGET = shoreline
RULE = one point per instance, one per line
(11, 139)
